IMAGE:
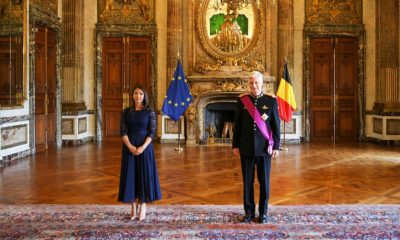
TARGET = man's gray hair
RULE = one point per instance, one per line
(257, 75)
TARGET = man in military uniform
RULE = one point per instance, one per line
(256, 140)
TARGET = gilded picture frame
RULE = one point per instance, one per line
(212, 49)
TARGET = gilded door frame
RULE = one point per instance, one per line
(316, 31)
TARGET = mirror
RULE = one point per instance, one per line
(228, 29)
(11, 55)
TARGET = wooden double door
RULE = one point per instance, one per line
(334, 89)
(45, 88)
(126, 63)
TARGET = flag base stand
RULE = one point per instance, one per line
(282, 147)
(179, 149)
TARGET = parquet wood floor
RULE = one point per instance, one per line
(314, 173)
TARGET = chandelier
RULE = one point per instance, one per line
(233, 4)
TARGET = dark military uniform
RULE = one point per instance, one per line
(253, 148)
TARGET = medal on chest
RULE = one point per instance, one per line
(264, 116)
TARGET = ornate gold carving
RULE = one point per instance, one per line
(197, 89)
(108, 8)
(234, 64)
(229, 47)
(203, 67)
(254, 65)
(145, 8)
(333, 11)
(47, 5)
(13, 13)
(191, 113)
(124, 11)
(230, 38)
(229, 86)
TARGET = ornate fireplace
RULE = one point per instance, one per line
(217, 94)
(229, 42)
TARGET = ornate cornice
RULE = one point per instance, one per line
(202, 84)
(39, 14)
(125, 11)
(139, 29)
(333, 29)
(48, 6)
(334, 12)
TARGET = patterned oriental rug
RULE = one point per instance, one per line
(198, 222)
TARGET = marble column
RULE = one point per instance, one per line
(387, 57)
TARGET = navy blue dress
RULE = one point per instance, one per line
(139, 177)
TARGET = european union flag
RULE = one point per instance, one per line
(178, 95)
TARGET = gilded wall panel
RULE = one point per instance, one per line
(388, 56)
(334, 11)
(46, 5)
(12, 14)
(125, 11)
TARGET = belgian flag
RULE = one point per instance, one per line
(286, 102)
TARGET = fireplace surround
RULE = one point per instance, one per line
(216, 92)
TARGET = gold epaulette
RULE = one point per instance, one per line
(243, 94)
(270, 95)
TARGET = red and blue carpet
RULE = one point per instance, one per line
(198, 222)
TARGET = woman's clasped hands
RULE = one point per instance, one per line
(136, 150)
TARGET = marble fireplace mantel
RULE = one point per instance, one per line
(217, 88)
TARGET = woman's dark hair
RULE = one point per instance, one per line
(146, 104)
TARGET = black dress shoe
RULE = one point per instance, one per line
(263, 219)
(246, 218)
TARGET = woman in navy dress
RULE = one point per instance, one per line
(139, 178)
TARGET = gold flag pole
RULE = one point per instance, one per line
(179, 148)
